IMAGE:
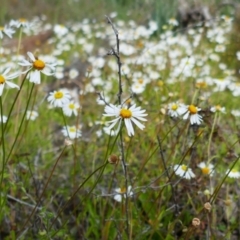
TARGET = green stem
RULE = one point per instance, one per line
(3, 152)
(210, 138)
(215, 193)
(19, 41)
(44, 189)
(102, 167)
(194, 96)
(19, 129)
(3, 140)
(14, 102)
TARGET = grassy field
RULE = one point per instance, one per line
(118, 127)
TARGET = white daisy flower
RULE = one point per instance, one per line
(4, 80)
(37, 67)
(207, 168)
(192, 111)
(173, 22)
(183, 171)
(71, 132)
(235, 113)
(176, 109)
(21, 22)
(4, 118)
(138, 88)
(31, 115)
(6, 30)
(71, 108)
(59, 98)
(122, 192)
(60, 30)
(128, 115)
(218, 108)
(233, 173)
(110, 132)
(238, 55)
(73, 73)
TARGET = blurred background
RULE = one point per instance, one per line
(60, 11)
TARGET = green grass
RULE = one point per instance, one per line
(52, 190)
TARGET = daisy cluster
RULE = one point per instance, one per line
(207, 169)
(34, 67)
(160, 63)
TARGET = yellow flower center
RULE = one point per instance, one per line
(205, 170)
(58, 95)
(140, 44)
(160, 83)
(72, 129)
(122, 190)
(2, 79)
(184, 168)
(22, 20)
(192, 109)
(39, 64)
(226, 18)
(218, 108)
(125, 113)
(1, 28)
(234, 171)
(201, 84)
(71, 106)
(140, 81)
(174, 107)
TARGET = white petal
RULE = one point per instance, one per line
(129, 127)
(1, 89)
(118, 197)
(6, 71)
(25, 63)
(35, 77)
(186, 116)
(12, 85)
(140, 118)
(140, 125)
(13, 75)
(114, 122)
(31, 56)
(47, 71)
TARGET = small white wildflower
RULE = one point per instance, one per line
(218, 108)
(21, 22)
(4, 80)
(32, 115)
(234, 173)
(192, 111)
(176, 109)
(73, 73)
(183, 171)
(128, 115)
(60, 30)
(4, 118)
(71, 132)
(59, 98)
(122, 192)
(71, 108)
(6, 30)
(207, 168)
(37, 66)
(173, 22)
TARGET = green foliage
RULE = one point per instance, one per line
(97, 186)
